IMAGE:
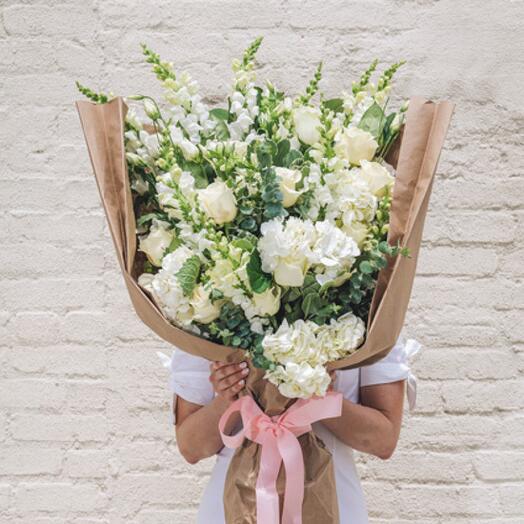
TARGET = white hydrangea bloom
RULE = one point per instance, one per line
(300, 380)
(341, 336)
(302, 349)
(353, 199)
(285, 249)
(166, 290)
(334, 251)
(293, 343)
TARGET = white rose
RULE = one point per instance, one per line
(218, 202)
(307, 123)
(357, 231)
(290, 273)
(377, 177)
(156, 242)
(288, 181)
(268, 302)
(205, 311)
(355, 145)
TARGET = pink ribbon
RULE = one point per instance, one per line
(278, 437)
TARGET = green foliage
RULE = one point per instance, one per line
(219, 113)
(98, 98)
(364, 79)
(309, 301)
(249, 54)
(385, 79)
(202, 173)
(312, 87)
(373, 121)
(258, 279)
(271, 195)
(334, 104)
(174, 244)
(162, 70)
(257, 354)
(188, 274)
(232, 328)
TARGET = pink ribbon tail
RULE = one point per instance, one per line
(278, 438)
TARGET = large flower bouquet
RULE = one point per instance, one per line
(264, 222)
(287, 228)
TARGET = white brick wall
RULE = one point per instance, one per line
(84, 431)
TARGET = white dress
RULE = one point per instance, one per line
(189, 379)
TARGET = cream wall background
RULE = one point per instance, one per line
(84, 426)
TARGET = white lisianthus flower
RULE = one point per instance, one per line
(218, 202)
(205, 311)
(288, 181)
(355, 145)
(284, 249)
(156, 242)
(267, 303)
(377, 177)
(300, 380)
(307, 124)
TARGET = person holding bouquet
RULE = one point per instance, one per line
(277, 237)
(370, 421)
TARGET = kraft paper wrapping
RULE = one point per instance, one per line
(415, 157)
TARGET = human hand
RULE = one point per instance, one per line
(228, 379)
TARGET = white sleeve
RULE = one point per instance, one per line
(394, 366)
(188, 378)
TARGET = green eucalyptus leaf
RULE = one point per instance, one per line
(293, 157)
(366, 268)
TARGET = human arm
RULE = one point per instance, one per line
(373, 426)
(197, 431)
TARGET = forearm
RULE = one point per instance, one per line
(365, 429)
(198, 436)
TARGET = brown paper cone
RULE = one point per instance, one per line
(415, 158)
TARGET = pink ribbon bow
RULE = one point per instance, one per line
(278, 437)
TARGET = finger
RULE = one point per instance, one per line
(230, 369)
(217, 364)
(232, 380)
(234, 390)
